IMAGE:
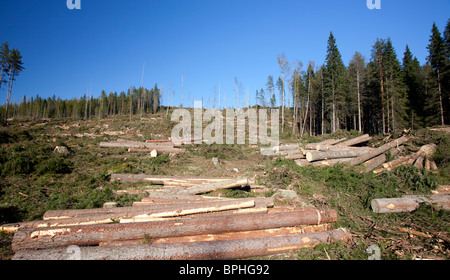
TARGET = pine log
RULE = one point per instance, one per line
(336, 141)
(378, 151)
(137, 214)
(159, 150)
(27, 238)
(342, 148)
(159, 141)
(296, 156)
(373, 163)
(442, 190)
(401, 161)
(419, 161)
(214, 250)
(429, 149)
(302, 162)
(408, 203)
(162, 179)
(199, 189)
(319, 155)
(313, 146)
(433, 165)
(134, 144)
(356, 140)
(330, 162)
(427, 164)
(150, 209)
(226, 236)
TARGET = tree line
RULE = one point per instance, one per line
(376, 96)
(132, 102)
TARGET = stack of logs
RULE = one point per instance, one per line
(175, 222)
(332, 151)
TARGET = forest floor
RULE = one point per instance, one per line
(34, 179)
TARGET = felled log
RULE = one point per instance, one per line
(132, 214)
(429, 149)
(150, 209)
(90, 235)
(204, 188)
(330, 162)
(159, 151)
(134, 144)
(342, 148)
(442, 190)
(214, 250)
(162, 179)
(313, 146)
(408, 203)
(302, 162)
(373, 163)
(401, 161)
(356, 140)
(320, 155)
(378, 151)
(226, 236)
(296, 156)
(419, 161)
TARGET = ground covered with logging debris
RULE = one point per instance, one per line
(37, 177)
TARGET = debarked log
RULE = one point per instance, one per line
(135, 214)
(225, 236)
(408, 203)
(134, 144)
(213, 250)
(378, 151)
(204, 188)
(159, 151)
(356, 140)
(320, 155)
(162, 179)
(152, 209)
(26, 238)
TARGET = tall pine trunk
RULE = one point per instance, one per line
(359, 102)
(440, 96)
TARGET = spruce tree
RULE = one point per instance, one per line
(437, 58)
(334, 81)
(415, 87)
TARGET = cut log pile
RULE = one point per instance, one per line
(176, 222)
(332, 151)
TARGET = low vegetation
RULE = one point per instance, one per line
(34, 179)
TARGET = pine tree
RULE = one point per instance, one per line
(437, 59)
(396, 94)
(357, 68)
(4, 54)
(15, 66)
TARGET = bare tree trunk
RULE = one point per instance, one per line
(380, 63)
(359, 102)
(440, 97)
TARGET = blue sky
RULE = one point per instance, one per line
(210, 41)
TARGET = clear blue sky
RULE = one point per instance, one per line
(210, 41)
